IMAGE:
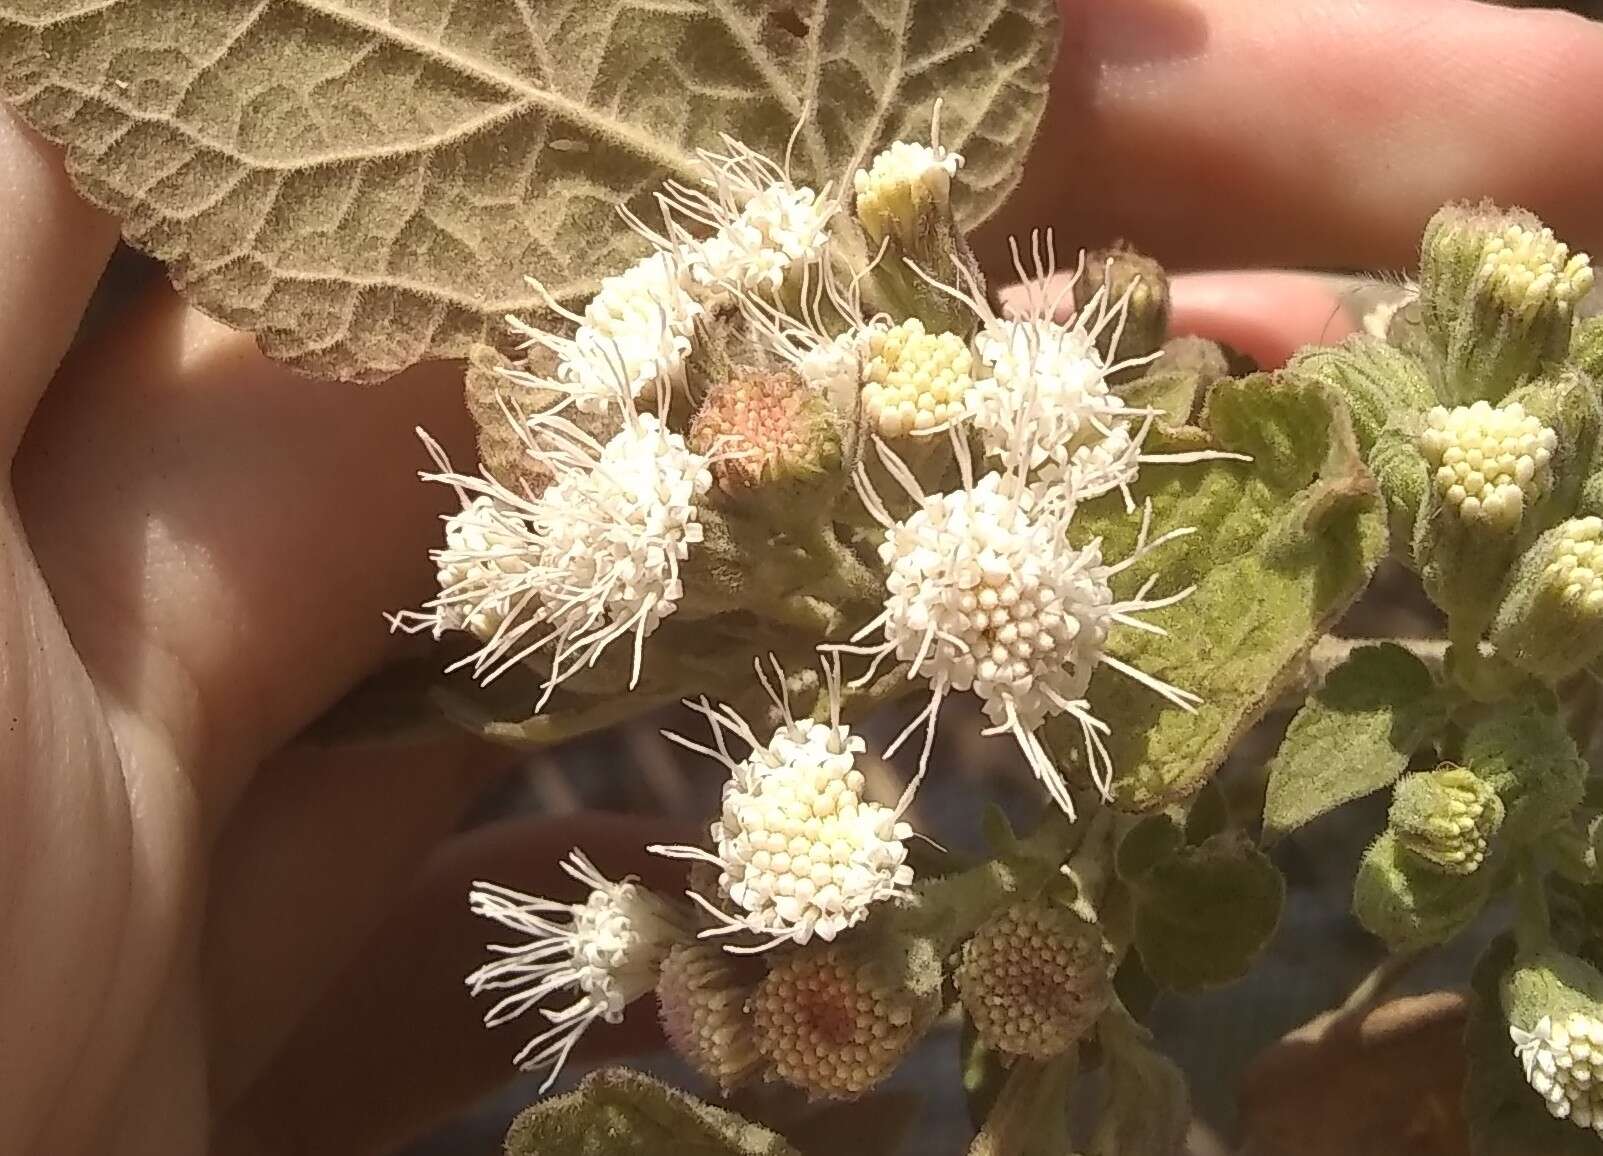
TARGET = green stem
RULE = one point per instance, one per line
(1532, 923)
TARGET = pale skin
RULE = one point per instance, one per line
(211, 940)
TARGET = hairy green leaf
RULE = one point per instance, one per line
(1283, 544)
(365, 185)
(1148, 1106)
(617, 1112)
(1203, 913)
(1353, 736)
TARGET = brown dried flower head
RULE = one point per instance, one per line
(826, 1025)
(1034, 979)
(701, 998)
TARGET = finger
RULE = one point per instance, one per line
(1310, 133)
(53, 247)
(1266, 315)
(223, 536)
(321, 847)
(397, 1044)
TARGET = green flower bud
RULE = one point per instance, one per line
(1403, 476)
(1034, 979)
(1489, 466)
(1551, 621)
(1553, 1002)
(1566, 402)
(1525, 753)
(1376, 380)
(1498, 293)
(1411, 903)
(772, 435)
(906, 193)
(1446, 817)
(1586, 347)
(914, 381)
(1116, 272)
(904, 203)
(1489, 463)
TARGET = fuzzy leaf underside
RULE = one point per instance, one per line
(617, 1112)
(364, 184)
(1283, 544)
(1354, 736)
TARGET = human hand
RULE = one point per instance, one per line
(207, 940)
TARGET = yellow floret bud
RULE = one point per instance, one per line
(914, 381)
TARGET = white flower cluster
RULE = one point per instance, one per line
(756, 228)
(605, 951)
(593, 558)
(1528, 268)
(1563, 1062)
(800, 852)
(989, 589)
(1489, 462)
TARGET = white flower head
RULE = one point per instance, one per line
(1563, 1063)
(764, 227)
(593, 558)
(1489, 463)
(603, 952)
(986, 594)
(1042, 398)
(800, 852)
(636, 331)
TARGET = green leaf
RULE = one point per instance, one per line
(365, 186)
(1522, 749)
(1376, 380)
(1148, 1107)
(1284, 543)
(1148, 843)
(617, 1112)
(1355, 735)
(1203, 914)
(1029, 1116)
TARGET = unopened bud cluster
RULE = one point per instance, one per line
(915, 381)
(1446, 817)
(1490, 462)
(1034, 979)
(1528, 269)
